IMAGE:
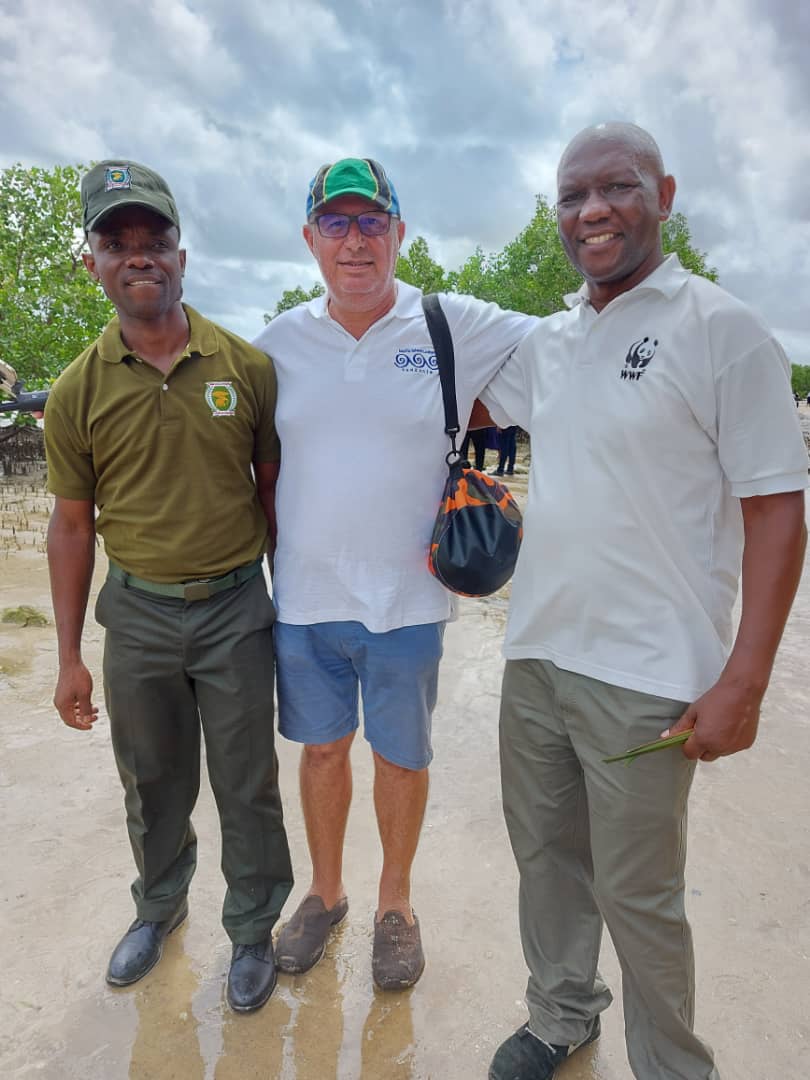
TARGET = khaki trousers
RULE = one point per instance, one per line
(600, 843)
(172, 669)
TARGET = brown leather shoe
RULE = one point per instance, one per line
(397, 960)
(302, 942)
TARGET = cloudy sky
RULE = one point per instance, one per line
(467, 103)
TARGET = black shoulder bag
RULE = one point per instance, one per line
(478, 529)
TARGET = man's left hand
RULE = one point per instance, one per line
(723, 721)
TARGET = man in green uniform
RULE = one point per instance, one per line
(165, 424)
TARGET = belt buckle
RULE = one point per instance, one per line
(197, 590)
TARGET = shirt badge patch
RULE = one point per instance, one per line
(221, 398)
(117, 178)
(421, 360)
(638, 357)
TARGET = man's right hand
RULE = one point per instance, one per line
(73, 697)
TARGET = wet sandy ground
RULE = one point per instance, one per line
(64, 893)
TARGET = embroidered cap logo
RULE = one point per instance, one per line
(117, 178)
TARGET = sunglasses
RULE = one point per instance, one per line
(336, 226)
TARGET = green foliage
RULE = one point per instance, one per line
(24, 616)
(50, 309)
(676, 237)
(800, 379)
(531, 274)
(473, 279)
(417, 268)
(291, 298)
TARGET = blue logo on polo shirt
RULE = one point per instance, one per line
(421, 361)
(638, 357)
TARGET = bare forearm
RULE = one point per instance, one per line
(773, 558)
(266, 474)
(71, 557)
(725, 719)
(269, 507)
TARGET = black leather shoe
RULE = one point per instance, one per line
(252, 977)
(141, 947)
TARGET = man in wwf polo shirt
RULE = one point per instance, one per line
(165, 426)
(686, 481)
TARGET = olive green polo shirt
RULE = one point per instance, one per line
(167, 458)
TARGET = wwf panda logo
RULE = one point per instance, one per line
(638, 357)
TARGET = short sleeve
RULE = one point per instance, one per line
(69, 459)
(760, 443)
(507, 395)
(266, 442)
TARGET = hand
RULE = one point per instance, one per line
(72, 698)
(724, 721)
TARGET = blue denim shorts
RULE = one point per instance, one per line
(321, 669)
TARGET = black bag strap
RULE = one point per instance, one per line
(446, 360)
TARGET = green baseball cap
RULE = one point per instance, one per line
(112, 184)
(352, 176)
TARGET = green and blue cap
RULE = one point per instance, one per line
(352, 176)
(116, 183)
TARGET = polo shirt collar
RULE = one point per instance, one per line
(667, 279)
(202, 338)
(407, 304)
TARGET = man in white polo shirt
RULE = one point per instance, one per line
(359, 400)
(688, 460)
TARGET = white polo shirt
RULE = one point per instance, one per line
(649, 422)
(361, 425)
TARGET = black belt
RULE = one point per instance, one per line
(202, 589)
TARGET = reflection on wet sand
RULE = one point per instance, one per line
(387, 1047)
(314, 1035)
(253, 1045)
(66, 868)
(324, 1025)
(297, 1036)
(167, 1026)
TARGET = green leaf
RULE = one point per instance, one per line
(648, 748)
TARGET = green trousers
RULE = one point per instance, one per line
(171, 670)
(595, 844)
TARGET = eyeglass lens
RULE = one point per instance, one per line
(336, 226)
